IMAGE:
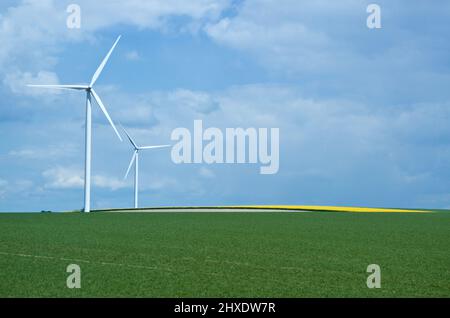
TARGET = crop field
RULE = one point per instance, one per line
(227, 254)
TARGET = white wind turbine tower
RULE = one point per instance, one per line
(135, 159)
(89, 93)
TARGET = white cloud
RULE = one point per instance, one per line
(133, 56)
(335, 138)
(206, 173)
(53, 152)
(35, 27)
(72, 178)
(147, 14)
(282, 35)
(303, 37)
(18, 81)
(156, 183)
(108, 182)
(19, 186)
(283, 45)
(34, 31)
(137, 114)
(63, 178)
(199, 101)
(30, 32)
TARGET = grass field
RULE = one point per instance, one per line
(284, 254)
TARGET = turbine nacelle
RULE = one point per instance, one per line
(137, 149)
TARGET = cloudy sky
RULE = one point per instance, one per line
(363, 113)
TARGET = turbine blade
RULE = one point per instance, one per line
(77, 87)
(129, 138)
(103, 108)
(102, 65)
(155, 147)
(131, 164)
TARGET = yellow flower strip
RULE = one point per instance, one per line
(331, 208)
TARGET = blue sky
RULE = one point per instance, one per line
(363, 114)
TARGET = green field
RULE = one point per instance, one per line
(284, 254)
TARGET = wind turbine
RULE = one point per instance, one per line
(90, 92)
(135, 159)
